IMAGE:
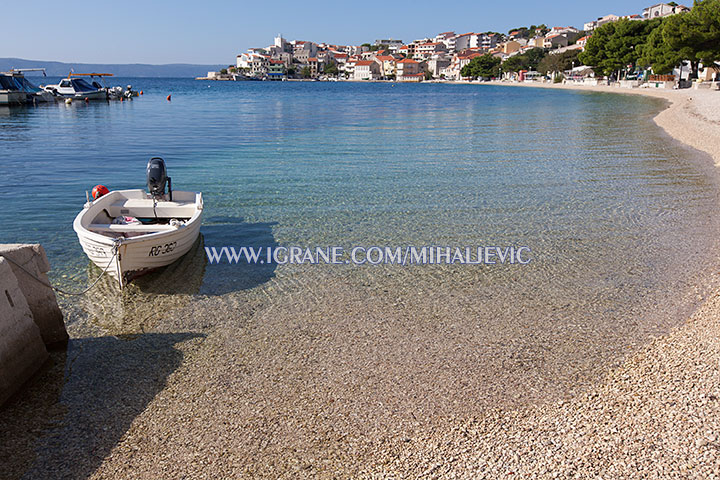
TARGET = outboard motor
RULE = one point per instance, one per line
(157, 178)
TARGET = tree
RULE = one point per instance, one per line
(655, 53)
(305, 72)
(331, 69)
(522, 32)
(558, 62)
(538, 29)
(223, 71)
(527, 61)
(515, 63)
(695, 35)
(614, 46)
(484, 66)
(428, 75)
(534, 56)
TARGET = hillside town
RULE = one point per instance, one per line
(554, 54)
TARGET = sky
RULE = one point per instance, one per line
(215, 31)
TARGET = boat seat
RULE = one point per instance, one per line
(130, 228)
(143, 208)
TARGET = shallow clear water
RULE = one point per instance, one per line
(585, 180)
(611, 208)
(618, 216)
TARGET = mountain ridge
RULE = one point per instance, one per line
(60, 69)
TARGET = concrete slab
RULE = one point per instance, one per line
(40, 298)
(22, 351)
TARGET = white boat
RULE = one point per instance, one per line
(130, 232)
(78, 88)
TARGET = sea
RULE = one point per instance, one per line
(618, 219)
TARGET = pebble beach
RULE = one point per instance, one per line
(365, 377)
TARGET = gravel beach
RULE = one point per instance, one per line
(315, 387)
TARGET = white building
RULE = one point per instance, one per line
(462, 42)
(426, 50)
(390, 42)
(366, 70)
(663, 10)
(590, 26)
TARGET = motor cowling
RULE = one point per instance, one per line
(156, 177)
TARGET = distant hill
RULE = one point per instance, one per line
(60, 69)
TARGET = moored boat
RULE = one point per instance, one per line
(78, 88)
(11, 91)
(35, 94)
(130, 232)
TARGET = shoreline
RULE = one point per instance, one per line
(653, 413)
(657, 414)
(688, 118)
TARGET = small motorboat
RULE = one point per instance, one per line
(11, 91)
(35, 94)
(79, 89)
(130, 232)
(15, 89)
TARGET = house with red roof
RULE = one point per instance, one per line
(366, 70)
(555, 41)
(386, 64)
(408, 70)
(424, 51)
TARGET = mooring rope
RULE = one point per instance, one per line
(59, 290)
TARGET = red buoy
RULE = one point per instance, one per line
(168, 97)
(141, 92)
(98, 191)
(87, 100)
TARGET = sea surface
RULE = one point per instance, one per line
(620, 220)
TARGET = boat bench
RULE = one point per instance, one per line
(144, 209)
(129, 228)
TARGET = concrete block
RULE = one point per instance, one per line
(22, 351)
(39, 297)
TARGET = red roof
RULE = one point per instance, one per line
(364, 62)
(385, 58)
(406, 60)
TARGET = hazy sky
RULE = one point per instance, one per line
(215, 31)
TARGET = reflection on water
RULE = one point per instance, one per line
(151, 297)
(136, 307)
(225, 278)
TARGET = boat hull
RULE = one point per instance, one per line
(127, 258)
(98, 95)
(11, 97)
